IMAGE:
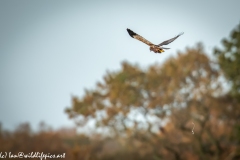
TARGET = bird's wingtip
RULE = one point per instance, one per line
(181, 33)
(131, 33)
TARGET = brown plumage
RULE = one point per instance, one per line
(153, 47)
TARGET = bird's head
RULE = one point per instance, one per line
(151, 48)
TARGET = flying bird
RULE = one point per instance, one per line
(155, 48)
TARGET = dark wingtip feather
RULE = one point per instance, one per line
(131, 33)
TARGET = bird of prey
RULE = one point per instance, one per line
(155, 48)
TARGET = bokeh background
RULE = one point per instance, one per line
(51, 51)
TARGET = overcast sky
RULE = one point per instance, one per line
(51, 50)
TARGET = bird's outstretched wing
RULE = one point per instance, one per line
(170, 40)
(165, 48)
(138, 37)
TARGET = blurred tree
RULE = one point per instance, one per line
(150, 94)
(229, 60)
(131, 103)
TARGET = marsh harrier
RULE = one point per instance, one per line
(155, 48)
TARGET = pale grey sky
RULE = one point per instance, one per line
(50, 50)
